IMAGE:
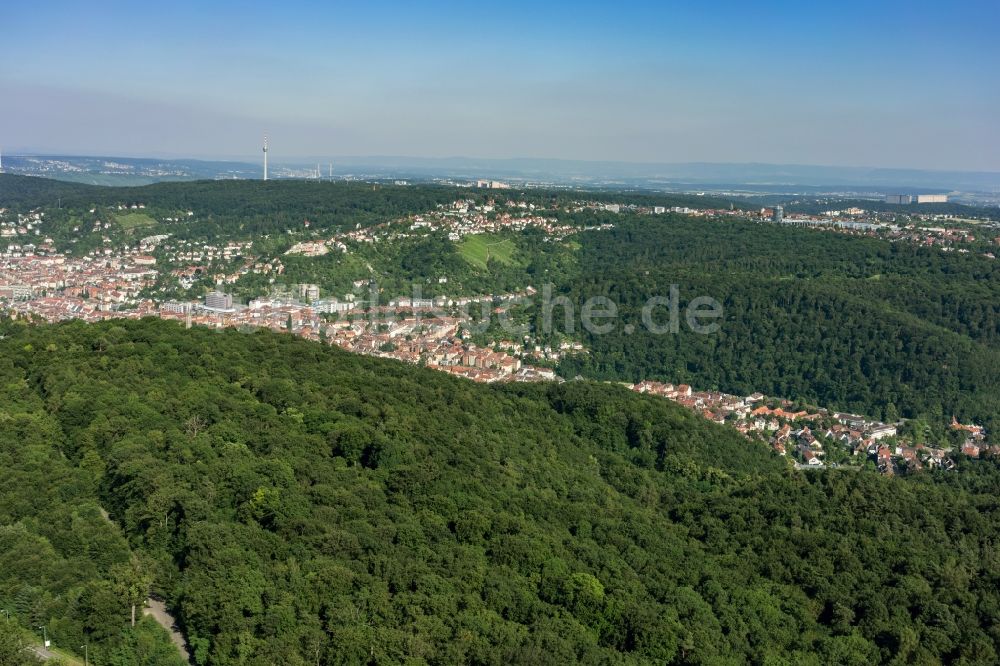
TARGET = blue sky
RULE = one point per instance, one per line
(846, 83)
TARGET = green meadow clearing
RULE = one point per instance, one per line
(480, 248)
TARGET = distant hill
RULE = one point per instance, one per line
(747, 175)
(96, 170)
(687, 176)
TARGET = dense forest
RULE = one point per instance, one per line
(296, 504)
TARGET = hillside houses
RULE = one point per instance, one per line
(808, 435)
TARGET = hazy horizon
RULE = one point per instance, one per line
(900, 86)
(256, 159)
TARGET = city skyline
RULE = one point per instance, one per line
(900, 86)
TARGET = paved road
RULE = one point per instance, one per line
(158, 611)
(42, 653)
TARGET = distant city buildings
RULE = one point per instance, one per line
(920, 198)
(492, 185)
(17, 292)
(778, 214)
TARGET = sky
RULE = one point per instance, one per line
(885, 84)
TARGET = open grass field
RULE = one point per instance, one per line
(480, 248)
(134, 220)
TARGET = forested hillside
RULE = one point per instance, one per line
(887, 329)
(299, 505)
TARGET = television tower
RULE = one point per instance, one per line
(265, 157)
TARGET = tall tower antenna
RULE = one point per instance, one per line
(1, 160)
(265, 157)
(331, 170)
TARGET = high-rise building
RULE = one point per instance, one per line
(932, 198)
(218, 300)
(778, 214)
(309, 292)
(177, 307)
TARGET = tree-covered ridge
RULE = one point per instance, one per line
(223, 210)
(228, 197)
(299, 505)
